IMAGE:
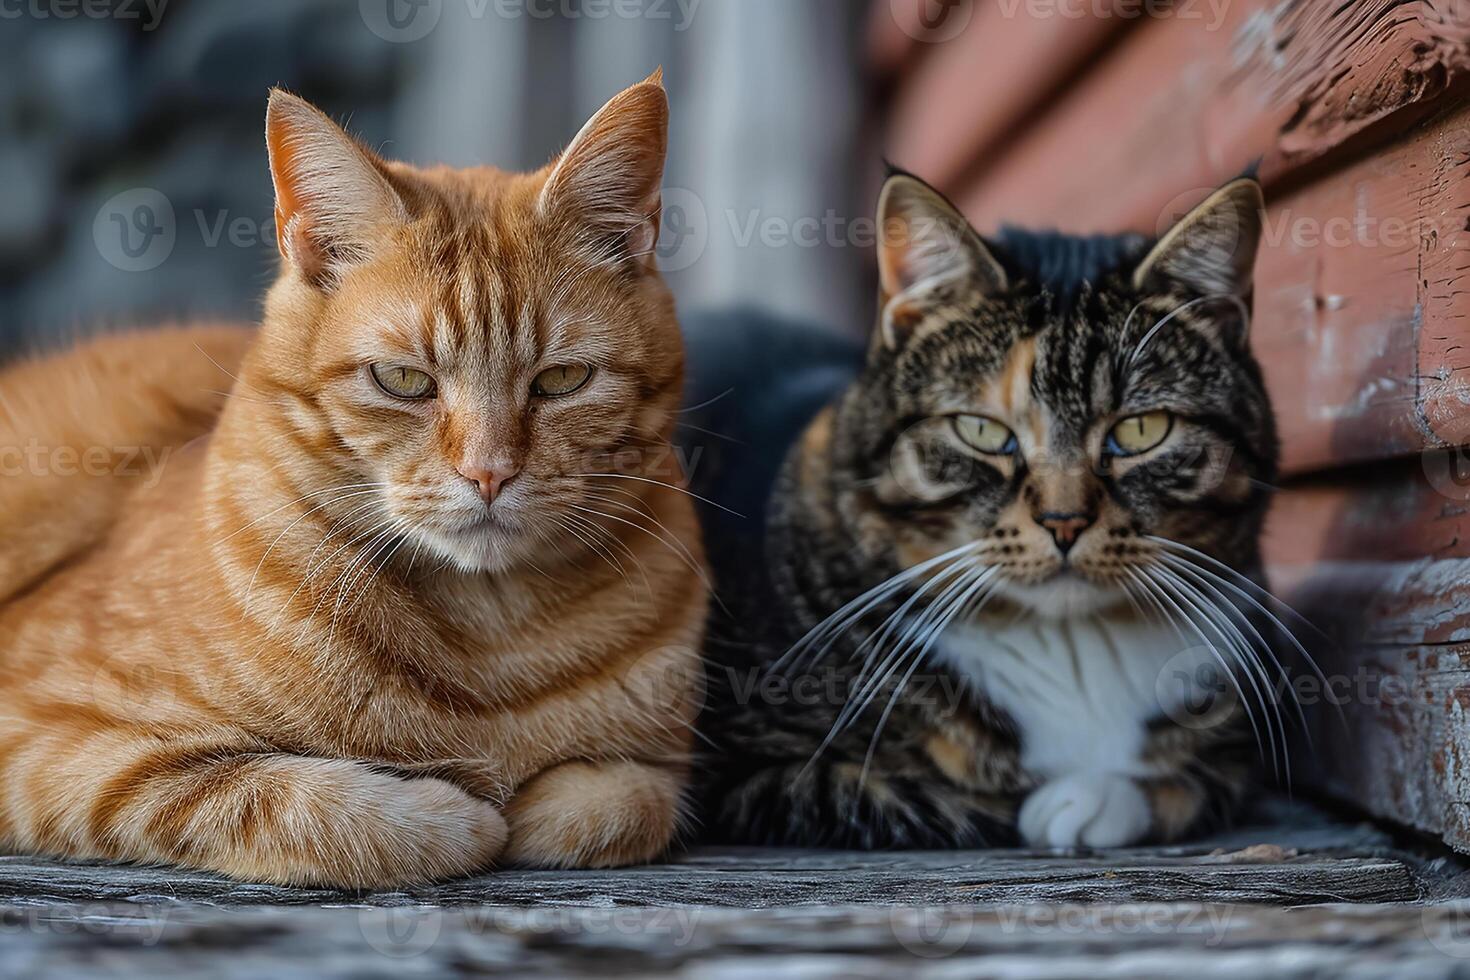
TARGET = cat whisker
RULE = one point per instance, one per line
(1153, 331)
(639, 508)
(396, 537)
(350, 519)
(837, 623)
(1203, 582)
(978, 593)
(1160, 594)
(680, 551)
(1227, 577)
(880, 652)
(311, 573)
(706, 403)
(303, 497)
(260, 564)
(920, 626)
(356, 564)
(233, 377)
(859, 700)
(1255, 672)
(670, 486)
(1196, 557)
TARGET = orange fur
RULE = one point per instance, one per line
(303, 649)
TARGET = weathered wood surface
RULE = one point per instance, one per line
(1379, 564)
(1184, 104)
(1264, 900)
(1171, 940)
(1363, 304)
(751, 879)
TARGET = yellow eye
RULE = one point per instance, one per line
(986, 435)
(403, 382)
(1139, 433)
(560, 380)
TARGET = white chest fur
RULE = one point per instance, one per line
(1081, 691)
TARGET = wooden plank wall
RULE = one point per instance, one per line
(1074, 114)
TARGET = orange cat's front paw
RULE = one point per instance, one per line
(593, 815)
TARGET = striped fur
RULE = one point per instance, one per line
(303, 650)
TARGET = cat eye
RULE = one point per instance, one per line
(560, 380)
(403, 382)
(1139, 433)
(985, 435)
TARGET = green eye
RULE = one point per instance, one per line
(560, 380)
(985, 435)
(403, 382)
(1139, 433)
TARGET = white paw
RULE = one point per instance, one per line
(1095, 810)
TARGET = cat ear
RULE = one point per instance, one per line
(608, 179)
(1212, 250)
(924, 244)
(333, 202)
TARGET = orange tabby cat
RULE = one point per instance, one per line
(420, 595)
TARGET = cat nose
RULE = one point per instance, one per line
(1065, 528)
(490, 478)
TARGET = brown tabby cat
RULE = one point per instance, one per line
(1012, 588)
(416, 596)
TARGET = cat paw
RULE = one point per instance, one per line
(593, 815)
(1090, 810)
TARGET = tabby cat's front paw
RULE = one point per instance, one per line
(1094, 810)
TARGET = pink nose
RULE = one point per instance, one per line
(489, 478)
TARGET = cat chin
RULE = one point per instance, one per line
(481, 551)
(1063, 596)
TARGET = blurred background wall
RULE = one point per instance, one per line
(133, 181)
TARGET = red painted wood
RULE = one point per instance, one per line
(962, 101)
(1363, 315)
(1180, 106)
